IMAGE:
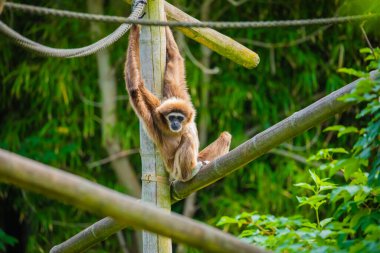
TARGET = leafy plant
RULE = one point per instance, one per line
(351, 193)
(317, 199)
(49, 108)
(6, 239)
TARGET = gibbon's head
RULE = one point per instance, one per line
(176, 114)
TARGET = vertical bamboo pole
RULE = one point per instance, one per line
(155, 188)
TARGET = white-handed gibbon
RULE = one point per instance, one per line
(170, 122)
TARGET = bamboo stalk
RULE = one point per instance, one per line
(213, 39)
(153, 61)
(82, 193)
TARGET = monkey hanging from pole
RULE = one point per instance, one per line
(170, 122)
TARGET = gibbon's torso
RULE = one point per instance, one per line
(170, 143)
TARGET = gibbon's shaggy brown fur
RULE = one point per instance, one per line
(170, 122)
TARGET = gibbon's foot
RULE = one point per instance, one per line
(198, 167)
(226, 136)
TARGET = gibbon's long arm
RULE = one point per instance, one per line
(175, 83)
(144, 102)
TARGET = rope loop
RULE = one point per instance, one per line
(203, 24)
(135, 18)
(137, 12)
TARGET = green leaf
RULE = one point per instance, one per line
(348, 130)
(326, 153)
(326, 233)
(351, 165)
(353, 72)
(309, 225)
(365, 50)
(244, 215)
(327, 187)
(348, 191)
(6, 239)
(324, 222)
(226, 220)
(305, 185)
(314, 201)
(334, 128)
(362, 92)
(337, 150)
(315, 178)
(247, 233)
(359, 178)
(342, 130)
(302, 200)
(319, 203)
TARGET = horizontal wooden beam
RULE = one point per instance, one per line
(84, 194)
(212, 39)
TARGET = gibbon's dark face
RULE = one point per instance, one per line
(175, 120)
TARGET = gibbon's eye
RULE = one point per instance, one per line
(171, 117)
(180, 118)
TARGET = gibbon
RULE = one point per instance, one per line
(170, 122)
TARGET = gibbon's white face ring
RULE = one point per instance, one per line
(175, 120)
(176, 131)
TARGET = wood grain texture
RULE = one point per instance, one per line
(84, 194)
(153, 60)
(214, 40)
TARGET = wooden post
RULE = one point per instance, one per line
(155, 187)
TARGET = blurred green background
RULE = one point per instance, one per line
(51, 109)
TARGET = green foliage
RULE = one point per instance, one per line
(6, 240)
(50, 108)
(354, 202)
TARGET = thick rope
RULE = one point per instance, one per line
(138, 10)
(211, 24)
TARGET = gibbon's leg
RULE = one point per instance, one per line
(185, 159)
(142, 100)
(174, 79)
(216, 149)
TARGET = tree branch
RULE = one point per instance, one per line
(84, 194)
(260, 144)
